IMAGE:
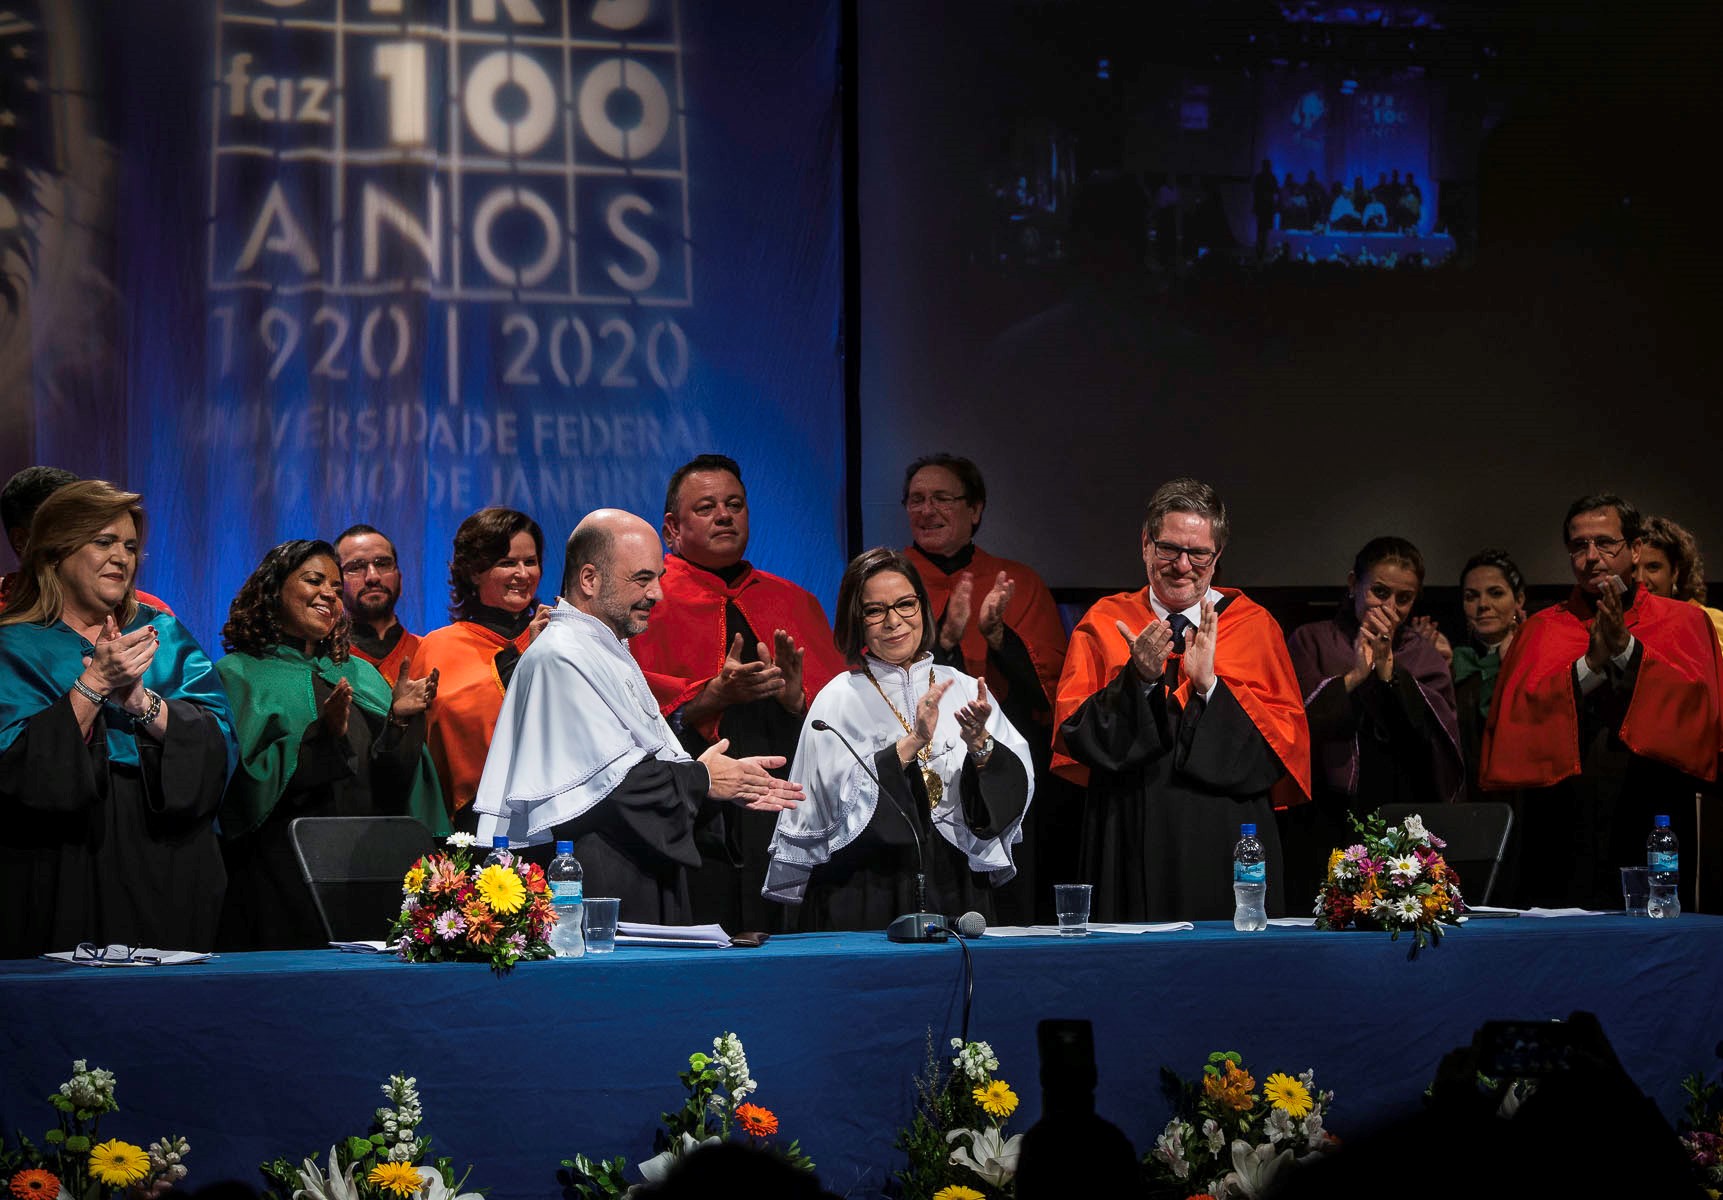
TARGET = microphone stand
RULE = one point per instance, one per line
(919, 926)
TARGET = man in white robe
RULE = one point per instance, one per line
(581, 751)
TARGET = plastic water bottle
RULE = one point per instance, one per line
(564, 877)
(1249, 882)
(1663, 862)
(500, 852)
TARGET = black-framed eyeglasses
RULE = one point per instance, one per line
(873, 614)
(1606, 546)
(936, 499)
(116, 953)
(1200, 556)
(359, 566)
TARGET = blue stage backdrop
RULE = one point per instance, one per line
(393, 261)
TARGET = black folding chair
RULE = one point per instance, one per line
(1477, 837)
(353, 866)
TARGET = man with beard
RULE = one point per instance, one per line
(370, 590)
(1179, 705)
(1609, 705)
(735, 653)
(581, 752)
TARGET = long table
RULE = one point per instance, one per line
(254, 1056)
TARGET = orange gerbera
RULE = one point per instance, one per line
(757, 1121)
(35, 1184)
(482, 926)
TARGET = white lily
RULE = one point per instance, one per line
(658, 1166)
(432, 1187)
(990, 1156)
(1254, 1168)
(336, 1186)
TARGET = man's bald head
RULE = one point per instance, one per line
(611, 567)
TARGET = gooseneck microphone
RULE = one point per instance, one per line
(922, 926)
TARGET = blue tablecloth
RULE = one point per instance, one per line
(251, 1056)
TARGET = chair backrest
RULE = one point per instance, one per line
(1477, 837)
(354, 866)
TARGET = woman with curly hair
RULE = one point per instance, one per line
(1669, 564)
(115, 742)
(320, 735)
(493, 603)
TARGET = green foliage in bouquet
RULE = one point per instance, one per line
(955, 1143)
(717, 1110)
(388, 1164)
(73, 1163)
(1229, 1140)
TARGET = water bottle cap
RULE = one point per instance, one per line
(1248, 829)
(1661, 822)
(565, 848)
(500, 842)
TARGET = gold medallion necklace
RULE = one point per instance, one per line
(929, 777)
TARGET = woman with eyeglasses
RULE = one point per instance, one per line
(115, 742)
(908, 768)
(321, 734)
(1380, 702)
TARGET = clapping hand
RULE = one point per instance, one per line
(748, 782)
(1200, 649)
(1426, 628)
(336, 709)
(955, 623)
(117, 665)
(1378, 627)
(786, 656)
(1609, 626)
(413, 696)
(972, 718)
(992, 617)
(1149, 648)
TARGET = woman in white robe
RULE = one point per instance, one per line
(934, 764)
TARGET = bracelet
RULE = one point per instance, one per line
(149, 718)
(89, 693)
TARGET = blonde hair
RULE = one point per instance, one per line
(68, 521)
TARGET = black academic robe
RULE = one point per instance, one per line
(368, 773)
(637, 843)
(1576, 835)
(871, 881)
(1165, 778)
(97, 851)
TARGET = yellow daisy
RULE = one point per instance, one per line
(996, 1098)
(1334, 860)
(501, 889)
(398, 1177)
(1288, 1094)
(119, 1164)
(414, 881)
(957, 1191)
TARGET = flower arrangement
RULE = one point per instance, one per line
(717, 1110)
(74, 1165)
(1228, 1140)
(1394, 878)
(382, 1166)
(956, 1142)
(457, 909)
(1701, 1131)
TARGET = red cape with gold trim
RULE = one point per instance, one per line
(684, 645)
(1032, 615)
(1674, 715)
(1250, 658)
